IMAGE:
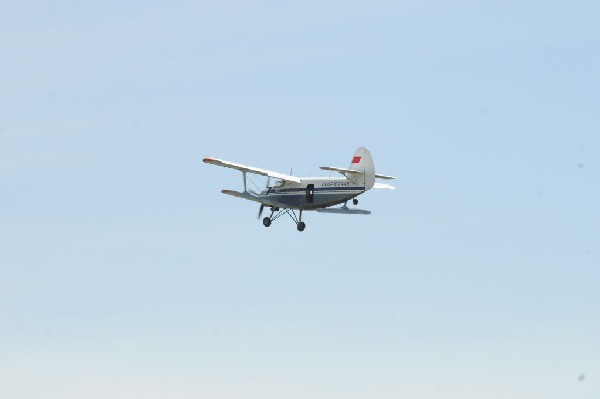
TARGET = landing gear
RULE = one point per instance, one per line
(355, 201)
(276, 213)
(300, 225)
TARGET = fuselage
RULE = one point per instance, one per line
(312, 192)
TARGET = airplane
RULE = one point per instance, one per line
(291, 193)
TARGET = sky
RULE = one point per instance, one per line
(125, 273)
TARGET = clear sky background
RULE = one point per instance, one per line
(124, 273)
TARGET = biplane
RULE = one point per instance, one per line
(287, 194)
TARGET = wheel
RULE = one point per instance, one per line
(355, 201)
(301, 226)
(267, 222)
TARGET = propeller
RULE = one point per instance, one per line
(262, 206)
(260, 211)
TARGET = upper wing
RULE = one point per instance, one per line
(251, 169)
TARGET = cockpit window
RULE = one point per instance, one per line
(279, 183)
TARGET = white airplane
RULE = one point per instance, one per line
(292, 193)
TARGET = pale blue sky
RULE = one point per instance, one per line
(125, 273)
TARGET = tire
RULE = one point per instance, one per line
(266, 222)
(355, 201)
(301, 226)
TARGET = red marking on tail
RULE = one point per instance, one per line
(356, 160)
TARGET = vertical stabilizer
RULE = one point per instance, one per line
(363, 162)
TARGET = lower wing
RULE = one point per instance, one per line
(345, 211)
(250, 197)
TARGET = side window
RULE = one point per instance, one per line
(310, 193)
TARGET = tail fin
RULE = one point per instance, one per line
(363, 162)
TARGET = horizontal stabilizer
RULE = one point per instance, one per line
(384, 186)
(341, 170)
(384, 177)
(252, 169)
(345, 211)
